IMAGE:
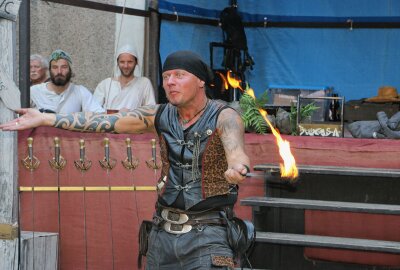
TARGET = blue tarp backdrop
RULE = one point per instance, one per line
(354, 62)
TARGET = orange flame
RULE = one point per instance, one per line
(288, 168)
(250, 92)
(235, 83)
(226, 86)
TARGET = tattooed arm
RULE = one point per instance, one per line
(136, 121)
(231, 131)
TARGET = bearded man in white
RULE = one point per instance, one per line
(60, 95)
(125, 92)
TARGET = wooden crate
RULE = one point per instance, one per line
(364, 111)
(39, 250)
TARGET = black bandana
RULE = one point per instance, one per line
(190, 62)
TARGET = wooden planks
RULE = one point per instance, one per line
(328, 242)
(39, 250)
(325, 241)
(372, 208)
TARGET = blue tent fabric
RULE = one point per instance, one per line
(312, 12)
(355, 62)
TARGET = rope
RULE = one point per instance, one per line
(135, 200)
(33, 221)
(110, 216)
(84, 222)
(115, 52)
(59, 220)
(19, 249)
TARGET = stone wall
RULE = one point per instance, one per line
(88, 35)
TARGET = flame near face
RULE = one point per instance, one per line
(226, 86)
(235, 83)
(288, 168)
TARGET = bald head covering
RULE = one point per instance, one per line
(127, 49)
(60, 54)
(190, 62)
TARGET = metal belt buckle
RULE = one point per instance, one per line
(174, 217)
(177, 228)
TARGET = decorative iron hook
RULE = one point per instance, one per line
(58, 162)
(107, 163)
(30, 162)
(152, 163)
(130, 162)
(82, 164)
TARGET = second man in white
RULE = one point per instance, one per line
(125, 92)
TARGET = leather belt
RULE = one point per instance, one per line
(176, 221)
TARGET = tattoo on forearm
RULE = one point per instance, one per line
(232, 132)
(87, 122)
(94, 122)
(142, 113)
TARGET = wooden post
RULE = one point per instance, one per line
(152, 46)
(8, 144)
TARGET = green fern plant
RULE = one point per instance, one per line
(251, 116)
(306, 111)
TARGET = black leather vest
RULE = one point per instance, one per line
(193, 160)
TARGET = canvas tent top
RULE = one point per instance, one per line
(355, 56)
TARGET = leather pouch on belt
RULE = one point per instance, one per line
(241, 235)
(144, 232)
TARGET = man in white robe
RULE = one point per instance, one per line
(125, 92)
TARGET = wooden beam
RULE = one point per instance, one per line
(152, 45)
(215, 22)
(8, 152)
(24, 23)
(102, 7)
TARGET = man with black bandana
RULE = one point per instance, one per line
(202, 149)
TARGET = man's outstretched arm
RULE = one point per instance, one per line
(137, 121)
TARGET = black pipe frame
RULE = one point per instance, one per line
(349, 23)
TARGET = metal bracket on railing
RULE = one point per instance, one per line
(107, 163)
(58, 162)
(130, 162)
(153, 163)
(30, 162)
(82, 164)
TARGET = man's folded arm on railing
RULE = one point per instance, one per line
(136, 121)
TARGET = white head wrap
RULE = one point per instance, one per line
(127, 49)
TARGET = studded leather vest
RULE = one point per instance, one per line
(194, 160)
